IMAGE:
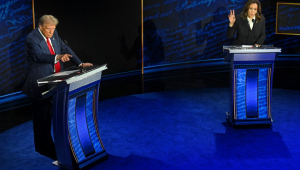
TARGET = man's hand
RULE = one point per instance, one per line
(63, 57)
(85, 65)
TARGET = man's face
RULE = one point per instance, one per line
(47, 29)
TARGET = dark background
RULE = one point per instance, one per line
(175, 33)
(108, 31)
(93, 28)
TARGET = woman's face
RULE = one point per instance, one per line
(252, 10)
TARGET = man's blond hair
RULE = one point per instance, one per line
(48, 19)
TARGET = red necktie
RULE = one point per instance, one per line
(57, 65)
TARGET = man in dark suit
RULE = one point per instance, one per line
(46, 53)
(249, 26)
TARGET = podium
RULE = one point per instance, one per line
(75, 107)
(251, 74)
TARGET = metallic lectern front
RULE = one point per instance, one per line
(75, 108)
(251, 84)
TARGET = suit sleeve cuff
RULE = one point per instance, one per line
(55, 60)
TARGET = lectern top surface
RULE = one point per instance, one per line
(72, 73)
(251, 49)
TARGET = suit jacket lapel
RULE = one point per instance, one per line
(42, 43)
(44, 46)
(245, 21)
(254, 25)
(54, 44)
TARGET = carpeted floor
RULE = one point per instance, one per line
(177, 130)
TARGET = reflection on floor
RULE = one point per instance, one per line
(177, 129)
(283, 78)
(157, 135)
(213, 77)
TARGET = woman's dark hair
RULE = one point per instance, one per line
(244, 14)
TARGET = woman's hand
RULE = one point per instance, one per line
(257, 45)
(231, 18)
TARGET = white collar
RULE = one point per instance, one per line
(42, 34)
(251, 19)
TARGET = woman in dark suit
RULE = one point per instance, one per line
(249, 26)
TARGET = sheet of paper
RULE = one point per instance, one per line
(65, 73)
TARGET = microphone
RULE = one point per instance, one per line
(253, 30)
(65, 41)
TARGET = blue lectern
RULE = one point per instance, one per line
(251, 84)
(75, 108)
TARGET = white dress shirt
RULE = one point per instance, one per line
(250, 22)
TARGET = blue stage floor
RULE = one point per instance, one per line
(177, 130)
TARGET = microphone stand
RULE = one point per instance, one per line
(80, 67)
(253, 31)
